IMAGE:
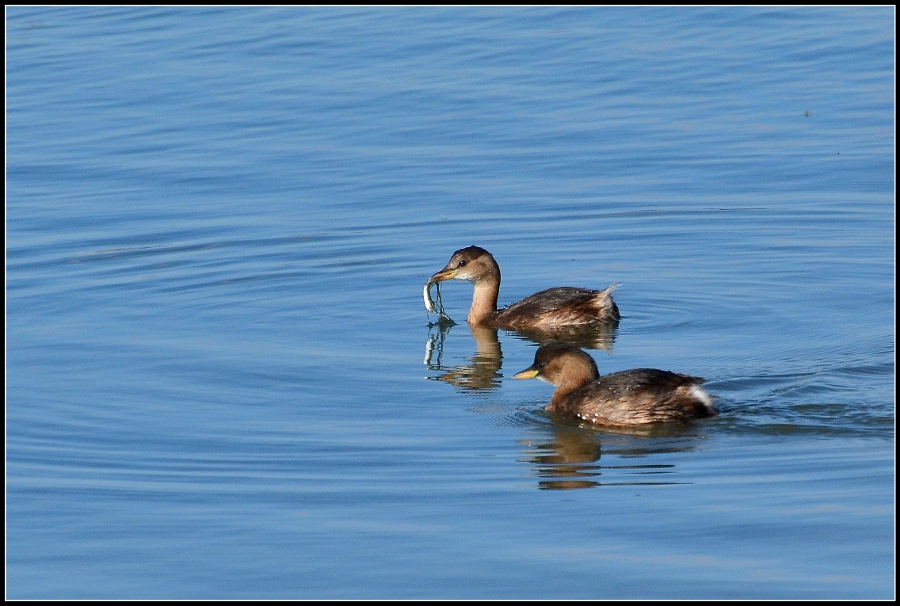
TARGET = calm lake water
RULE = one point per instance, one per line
(221, 378)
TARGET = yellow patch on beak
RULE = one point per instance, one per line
(443, 275)
(528, 373)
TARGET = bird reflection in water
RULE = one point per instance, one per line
(571, 458)
(590, 336)
(567, 462)
(483, 369)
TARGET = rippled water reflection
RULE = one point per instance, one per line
(222, 382)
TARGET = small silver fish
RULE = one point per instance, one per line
(437, 306)
(429, 302)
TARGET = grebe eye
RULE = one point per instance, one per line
(461, 262)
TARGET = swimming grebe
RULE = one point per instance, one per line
(548, 309)
(630, 397)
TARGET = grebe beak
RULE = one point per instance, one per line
(529, 373)
(441, 276)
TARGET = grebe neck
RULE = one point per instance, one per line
(484, 299)
(578, 374)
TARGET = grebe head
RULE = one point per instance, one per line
(472, 264)
(561, 363)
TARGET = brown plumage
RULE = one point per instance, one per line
(548, 309)
(630, 397)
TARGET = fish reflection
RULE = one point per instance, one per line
(482, 372)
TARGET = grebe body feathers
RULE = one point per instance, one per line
(630, 397)
(547, 309)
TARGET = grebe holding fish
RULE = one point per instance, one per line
(549, 309)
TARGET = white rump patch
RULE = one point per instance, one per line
(704, 397)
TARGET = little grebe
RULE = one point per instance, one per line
(630, 397)
(551, 308)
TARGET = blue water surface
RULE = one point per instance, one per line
(221, 380)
